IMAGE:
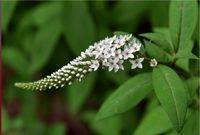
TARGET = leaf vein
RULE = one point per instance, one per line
(175, 104)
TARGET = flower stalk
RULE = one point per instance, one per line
(109, 53)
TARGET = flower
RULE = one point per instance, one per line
(136, 63)
(134, 47)
(127, 53)
(119, 65)
(94, 65)
(109, 52)
(153, 63)
(118, 54)
(119, 41)
(111, 64)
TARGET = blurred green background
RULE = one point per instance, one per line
(40, 37)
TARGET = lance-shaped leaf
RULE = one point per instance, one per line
(183, 56)
(183, 19)
(160, 40)
(164, 31)
(155, 122)
(171, 93)
(156, 52)
(127, 96)
(186, 55)
(192, 85)
(192, 124)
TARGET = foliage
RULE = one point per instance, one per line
(40, 37)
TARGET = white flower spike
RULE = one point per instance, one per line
(109, 53)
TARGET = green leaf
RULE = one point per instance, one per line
(194, 64)
(156, 52)
(81, 90)
(182, 21)
(42, 14)
(152, 103)
(187, 51)
(119, 77)
(193, 85)
(159, 40)
(171, 93)
(191, 126)
(43, 44)
(12, 57)
(110, 126)
(173, 132)
(186, 55)
(155, 122)
(78, 26)
(7, 10)
(126, 96)
(165, 32)
(194, 67)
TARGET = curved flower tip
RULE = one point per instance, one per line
(19, 85)
(24, 85)
(109, 53)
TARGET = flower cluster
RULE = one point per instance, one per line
(109, 53)
(112, 52)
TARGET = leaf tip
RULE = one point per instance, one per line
(101, 115)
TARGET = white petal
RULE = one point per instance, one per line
(139, 65)
(140, 59)
(120, 56)
(116, 68)
(125, 57)
(121, 67)
(131, 61)
(116, 60)
(110, 68)
(133, 66)
(131, 55)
